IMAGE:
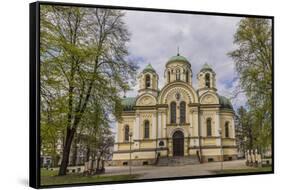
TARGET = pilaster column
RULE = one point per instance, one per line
(164, 131)
(116, 136)
(137, 127)
(232, 135)
(159, 125)
(217, 128)
(177, 112)
(190, 131)
(117, 132)
(153, 126)
(170, 147)
(185, 146)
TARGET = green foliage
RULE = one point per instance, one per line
(84, 68)
(248, 170)
(253, 61)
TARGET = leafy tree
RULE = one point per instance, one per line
(83, 58)
(253, 62)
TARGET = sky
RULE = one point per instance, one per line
(156, 36)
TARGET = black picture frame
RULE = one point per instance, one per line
(34, 91)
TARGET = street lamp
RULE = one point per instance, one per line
(130, 140)
(220, 132)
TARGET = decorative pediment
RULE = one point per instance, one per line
(187, 93)
(178, 93)
(146, 100)
(209, 99)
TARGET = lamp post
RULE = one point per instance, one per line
(188, 143)
(130, 140)
(220, 132)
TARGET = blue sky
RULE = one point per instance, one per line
(155, 37)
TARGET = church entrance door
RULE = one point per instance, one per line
(178, 143)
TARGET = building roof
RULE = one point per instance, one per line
(225, 102)
(149, 68)
(128, 103)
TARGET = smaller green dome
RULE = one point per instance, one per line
(149, 68)
(225, 102)
(128, 103)
(206, 67)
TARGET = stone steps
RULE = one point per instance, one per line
(177, 161)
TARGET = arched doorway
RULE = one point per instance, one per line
(178, 144)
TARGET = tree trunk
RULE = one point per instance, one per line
(88, 153)
(65, 155)
(75, 151)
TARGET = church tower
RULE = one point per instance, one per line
(148, 81)
(178, 69)
(207, 79)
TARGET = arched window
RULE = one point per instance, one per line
(147, 81)
(207, 80)
(178, 75)
(182, 112)
(226, 128)
(146, 129)
(186, 76)
(173, 112)
(169, 74)
(209, 127)
(126, 133)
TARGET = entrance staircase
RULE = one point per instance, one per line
(177, 161)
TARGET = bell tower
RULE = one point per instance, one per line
(206, 79)
(148, 81)
(178, 69)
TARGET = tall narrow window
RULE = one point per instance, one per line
(178, 75)
(207, 80)
(126, 133)
(182, 112)
(209, 127)
(147, 81)
(146, 129)
(186, 76)
(169, 75)
(226, 129)
(173, 112)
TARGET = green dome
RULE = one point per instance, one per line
(225, 102)
(206, 67)
(177, 58)
(149, 68)
(128, 103)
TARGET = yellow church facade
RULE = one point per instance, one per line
(177, 121)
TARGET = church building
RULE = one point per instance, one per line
(177, 121)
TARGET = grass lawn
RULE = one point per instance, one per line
(250, 170)
(50, 178)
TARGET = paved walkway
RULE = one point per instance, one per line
(148, 172)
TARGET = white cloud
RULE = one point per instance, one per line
(155, 37)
